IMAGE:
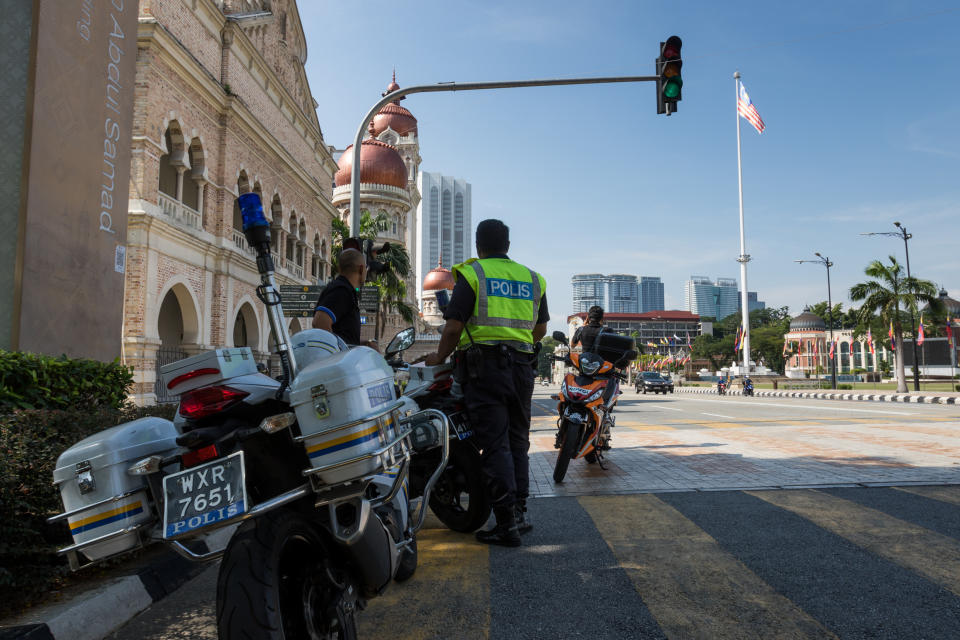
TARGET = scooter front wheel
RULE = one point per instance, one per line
(571, 438)
(277, 581)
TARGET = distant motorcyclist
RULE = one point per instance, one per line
(721, 386)
(747, 386)
(587, 334)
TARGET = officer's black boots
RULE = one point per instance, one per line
(523, 523)
(505, 533)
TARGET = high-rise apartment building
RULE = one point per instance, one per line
(651, 294)
(623, 294)
(706, 298)
(444, 227)
(588, 290)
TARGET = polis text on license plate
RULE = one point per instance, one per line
(204, 495)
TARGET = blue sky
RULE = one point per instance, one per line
(860, 100)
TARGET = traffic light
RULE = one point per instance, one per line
(669, 81)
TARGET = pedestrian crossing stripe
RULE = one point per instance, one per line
(692, 584)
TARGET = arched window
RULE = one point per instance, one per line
(192, 188)
(243, 186)
(446, 228)
(292, 237)
(458, 248)
(173, 158)
(434, 225)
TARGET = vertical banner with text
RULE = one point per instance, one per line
(74, 245)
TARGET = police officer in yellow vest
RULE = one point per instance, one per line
(496, 316)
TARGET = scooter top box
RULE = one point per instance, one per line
(207, 368)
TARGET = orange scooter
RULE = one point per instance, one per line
(587, 398)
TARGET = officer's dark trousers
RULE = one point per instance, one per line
(498, 405)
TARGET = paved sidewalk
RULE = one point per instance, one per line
(732, 456)
(921, 397)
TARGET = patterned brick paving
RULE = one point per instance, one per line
(705, 456)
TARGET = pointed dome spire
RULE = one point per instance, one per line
(392, 115)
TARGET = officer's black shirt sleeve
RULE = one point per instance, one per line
(463, 299)
(340, 301)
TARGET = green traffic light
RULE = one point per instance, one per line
(672, 86)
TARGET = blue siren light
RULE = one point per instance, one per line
(251, 210)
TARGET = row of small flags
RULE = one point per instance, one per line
(788, 344)
(675, 360)
(672, 341)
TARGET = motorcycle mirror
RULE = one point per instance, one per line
(401, 342)
(443, 299)
(560, 337)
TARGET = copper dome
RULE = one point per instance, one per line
(439, 278)
(396, 117)
(379, 164)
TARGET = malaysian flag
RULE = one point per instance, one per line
(746, 109)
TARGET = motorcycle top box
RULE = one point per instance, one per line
(347, 410)
(611, 346)
(104, 505)
(207, 368)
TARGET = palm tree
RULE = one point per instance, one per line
(885, 294)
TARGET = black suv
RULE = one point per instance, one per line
(650, 381)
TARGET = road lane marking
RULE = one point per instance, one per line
(932, 555)
(718, 415)
(692, 586)
(660, 406)
(454, 570)
(949, 495)
(762, 403)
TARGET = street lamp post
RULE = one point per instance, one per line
(452, 86)
(825, 261)
(901, 232)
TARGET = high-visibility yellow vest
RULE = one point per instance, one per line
(506, 305)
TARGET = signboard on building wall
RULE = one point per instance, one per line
(73, 245)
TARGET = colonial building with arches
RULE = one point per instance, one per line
(222, 107)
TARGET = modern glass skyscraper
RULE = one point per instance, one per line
(588, 290)
(706, 298)
(623, 294)
(752, 301)
(726, 296)
(444, 225)
(651, 294)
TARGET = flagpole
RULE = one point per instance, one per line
(744, 258)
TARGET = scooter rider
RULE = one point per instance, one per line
(497, 313)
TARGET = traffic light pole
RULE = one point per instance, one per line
(452, 86)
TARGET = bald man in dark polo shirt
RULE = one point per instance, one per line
(338, 308)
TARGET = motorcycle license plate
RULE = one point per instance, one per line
(204, 495)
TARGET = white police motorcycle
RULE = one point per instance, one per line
(314, 468)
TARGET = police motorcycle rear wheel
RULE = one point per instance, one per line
(461, 482)
(278, 581)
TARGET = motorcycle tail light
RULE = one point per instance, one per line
(441, 385)
(193, 458)
(207, 401)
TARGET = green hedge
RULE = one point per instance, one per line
(30, 443)
(31, 381)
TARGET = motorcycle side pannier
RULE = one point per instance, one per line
(612, 346)
(104, 505)
(346, 407)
